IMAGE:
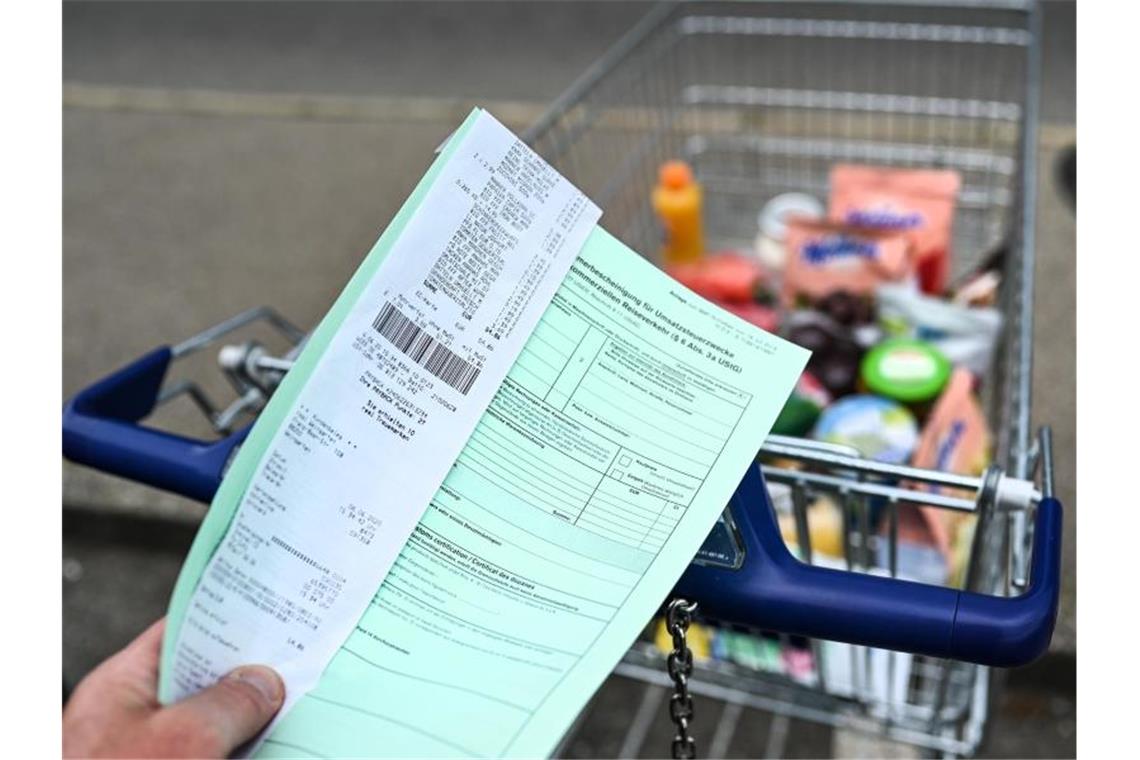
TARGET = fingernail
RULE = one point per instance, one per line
(264, 679)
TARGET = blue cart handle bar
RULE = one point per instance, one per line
(772, 590)
(775, 591)
(101, 429)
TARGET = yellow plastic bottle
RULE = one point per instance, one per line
(677, 201)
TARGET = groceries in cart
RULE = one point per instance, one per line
(862, 279)
(677, 201)
(918, 203)
(882, 676)
(965, 333)
(785, 655)
(825, 258)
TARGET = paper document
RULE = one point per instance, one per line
(395, 390)
(500, 449)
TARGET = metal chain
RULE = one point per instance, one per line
(680, 667)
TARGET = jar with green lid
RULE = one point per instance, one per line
(911, 372)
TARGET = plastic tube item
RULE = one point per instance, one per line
(773, 226)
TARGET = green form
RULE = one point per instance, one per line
(598, 466)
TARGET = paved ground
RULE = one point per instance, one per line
(199, 180)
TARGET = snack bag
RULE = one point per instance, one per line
(917, 202)
(954, 439)
(828, 257)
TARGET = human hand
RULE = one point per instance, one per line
(115, 712)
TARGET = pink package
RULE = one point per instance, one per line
(954, 439)
(825, 257)
(919, 202)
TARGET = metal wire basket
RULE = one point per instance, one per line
(763, 99)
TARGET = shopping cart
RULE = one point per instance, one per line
(763, 98)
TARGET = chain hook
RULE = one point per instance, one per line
(678, 616)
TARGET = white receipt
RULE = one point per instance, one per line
(388, 408)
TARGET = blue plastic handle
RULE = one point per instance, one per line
(774, 591)
(101, 430)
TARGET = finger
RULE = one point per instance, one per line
(114, 697)
(150, 640)
(145, 647)
(130, 675)
(229, 713)
(139, 659)
(151, 637)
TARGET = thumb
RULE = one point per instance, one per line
(217, 720)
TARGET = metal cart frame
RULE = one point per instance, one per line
(604, 98)
(761, 98)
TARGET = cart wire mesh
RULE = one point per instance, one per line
(764, 98)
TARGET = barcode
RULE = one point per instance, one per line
(425, 350)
